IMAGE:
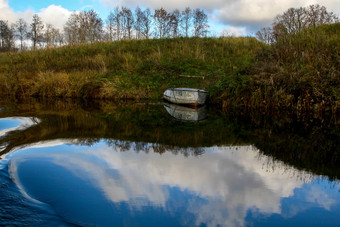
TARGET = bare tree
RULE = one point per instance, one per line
(48, 35)
(94, 26)
(21, 31)
(295, 20)
(127, 20)
(143, 20)
(317, 15)
(118, 23)
(200, 22)
(84, 27)
(138, 22)
(3, 28)
(186, 21)
(265, 35)
(36, 31)
(71, 29)
(110, 25)
(175, 20)
(146, 23)
(6, 36)
(59, 38)
(52, 36)
(162, 20)
(114, 24)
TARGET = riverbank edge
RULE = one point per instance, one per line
(299, 73)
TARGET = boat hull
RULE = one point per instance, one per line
(185, 96)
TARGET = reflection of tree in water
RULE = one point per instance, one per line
(312, 146)
(270, 164)
(87, 142)
(119, 145)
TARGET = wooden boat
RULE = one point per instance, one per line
(185, 96)
(186, 114)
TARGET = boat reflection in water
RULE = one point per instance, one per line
(186, 114)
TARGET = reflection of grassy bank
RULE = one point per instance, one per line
(313, 145)
(129, 122)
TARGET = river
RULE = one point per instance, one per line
(77, 163)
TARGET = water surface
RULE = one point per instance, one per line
(104, 164)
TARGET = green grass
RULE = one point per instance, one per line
(298, 73)
(137, 69)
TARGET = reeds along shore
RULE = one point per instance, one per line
(298, 72)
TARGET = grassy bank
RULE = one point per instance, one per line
(298, 73)
(137, 69)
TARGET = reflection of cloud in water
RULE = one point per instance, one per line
(320, 197)
(51, 143)
(13, 124)
(230, 180)
(44, 144)
(23, 123)
(313, 195)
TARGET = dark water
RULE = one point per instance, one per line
(144, 164)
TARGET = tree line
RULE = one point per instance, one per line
(294, 20)
(87, 27)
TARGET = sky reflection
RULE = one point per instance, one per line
(11, 124)
(229, 186)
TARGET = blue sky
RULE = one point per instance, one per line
(71, 5)
(234, 17)
(21, 5)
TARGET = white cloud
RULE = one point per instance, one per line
(234, 31)
(249, 14)
(53, 14)
(260, 13)
(169, 5)
(240, 16)
(5, 12)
